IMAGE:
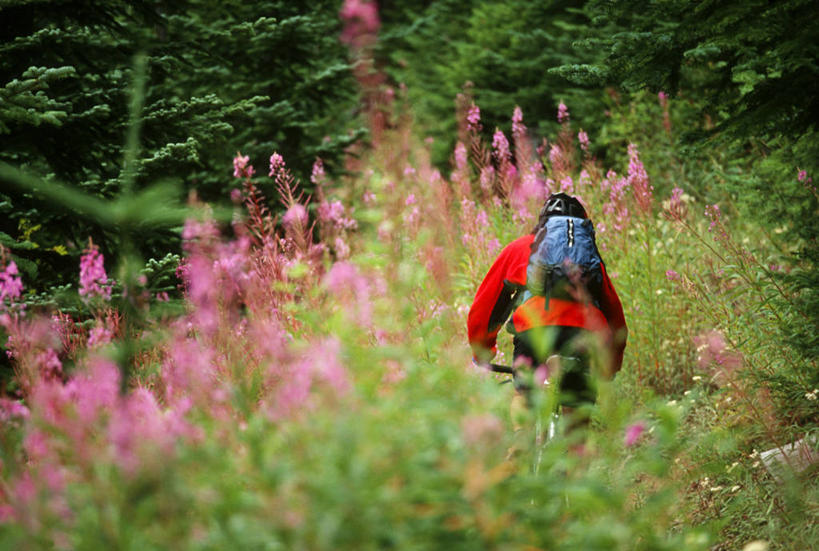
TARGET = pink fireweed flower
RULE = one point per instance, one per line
(276, 165)
(558, 159)
(500, 145)
(333, 213)
(671, 275)
(460, 157)
(585, 178)
(11, 285)
(638, 180)
(317, 175)
(473, 118)
(93, 279)
(12, 409)
(49, 364)
(100, 336)
(531, 190)
(583, 138)
(341, 248)
(368, 198)
(712, 351)
(352, 289)
(321, 363)
(295, 218)
(663, 98)
(518, 128)
(242, 167)
(327, 364)
(716, 226)
(361, 22)
(675, 208)
(493, 246)
(567, 185)
(93, 391)
(562, 113)
(487, 180)
(633, 433)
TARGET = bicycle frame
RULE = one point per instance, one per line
(545, 430)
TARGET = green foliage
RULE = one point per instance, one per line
(749, 71)
(505, 50)
(221, 77)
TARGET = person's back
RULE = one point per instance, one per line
(555, 286)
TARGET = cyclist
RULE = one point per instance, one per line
(576, 322)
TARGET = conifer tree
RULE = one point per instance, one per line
(505, 49)
(221, 76)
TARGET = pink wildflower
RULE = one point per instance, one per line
(327, 364)
(562, 113)
(49, 364)
(716, 226)
(713, 351)
(638, 180)
(276, 165)
(93, 279)
(487, 179)
(11, 409)
(634, 432)
(460, 157)
(333, 213)
(473, 118)
(583, 138)
(361, 22)
(555, 155)
(518, 128)
(671, 275)
(100, 336)
(676, 207)
(318, 175)
(295, 218)
(11, 286)
(341, 248)
(501, 146)
(241, 166)
(92, 391)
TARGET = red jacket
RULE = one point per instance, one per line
(493, 300)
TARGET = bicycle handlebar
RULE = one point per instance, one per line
(498, 368)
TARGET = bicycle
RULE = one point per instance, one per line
(547, 407)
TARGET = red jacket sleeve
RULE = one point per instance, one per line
(613, 311)
(494, 297)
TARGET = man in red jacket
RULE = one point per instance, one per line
(585, 325)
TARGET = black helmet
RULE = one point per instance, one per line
(560, 204)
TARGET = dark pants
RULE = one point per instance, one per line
(536, 345)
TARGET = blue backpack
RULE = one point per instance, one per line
(564, 262)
